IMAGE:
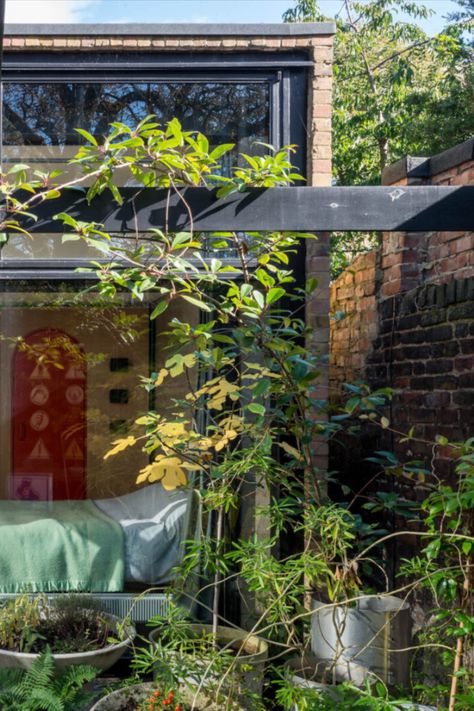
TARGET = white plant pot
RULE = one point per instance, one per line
(368, 634)
(101, 659)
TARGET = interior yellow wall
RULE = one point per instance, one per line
(103, 333)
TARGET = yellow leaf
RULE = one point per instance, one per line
(120, 445)
(145, 420)
(229, 435)
(161, 376)
(168, 470)
(177, 363)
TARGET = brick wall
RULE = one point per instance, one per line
(416, 335)
(354, 313)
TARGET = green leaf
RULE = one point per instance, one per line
(274, 294)
(258, 297)
(88, 136)
(196, 302)
(17, 168)
(52, 195)
(220, 150)
(256, 408)
(159, 309)
(67, 219)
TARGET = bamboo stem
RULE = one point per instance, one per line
(459, 654)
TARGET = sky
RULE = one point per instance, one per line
(98, 11)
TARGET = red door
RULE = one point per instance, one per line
(48, 418)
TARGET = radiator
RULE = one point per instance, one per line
(138, 608)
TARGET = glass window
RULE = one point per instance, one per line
(39, 121)
(70, 380)
(38, 117)
(71, 366)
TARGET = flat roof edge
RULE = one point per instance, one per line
(429, 166)
(287, 29)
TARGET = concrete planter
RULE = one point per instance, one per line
(368, 634)
(139, 693)
(101, 659)
(247, 676)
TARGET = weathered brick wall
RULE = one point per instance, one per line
(418, 338)
(354, 312)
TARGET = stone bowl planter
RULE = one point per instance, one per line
(246, 678)
(139, 693)
(102, 659)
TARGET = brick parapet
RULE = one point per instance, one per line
(423, 320)
(409, 260)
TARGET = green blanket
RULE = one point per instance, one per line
(59, 546)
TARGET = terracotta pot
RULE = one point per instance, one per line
(101, 659)
(140, 692)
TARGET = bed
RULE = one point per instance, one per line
(95, 545)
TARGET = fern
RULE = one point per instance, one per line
(39, 689)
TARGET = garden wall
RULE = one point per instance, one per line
(404, 318)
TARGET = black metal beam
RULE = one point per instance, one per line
(414, 209)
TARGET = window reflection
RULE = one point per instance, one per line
(39, 121)
(37, 114)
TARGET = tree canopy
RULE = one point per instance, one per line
(397, 91)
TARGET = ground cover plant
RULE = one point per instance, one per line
(248, 423)
(40, 689)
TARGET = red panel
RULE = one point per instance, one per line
(48, 417)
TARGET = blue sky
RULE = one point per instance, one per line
(97, 11)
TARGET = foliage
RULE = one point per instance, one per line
(70, 623)
(41, 689)
(397, 91)
(249, 376)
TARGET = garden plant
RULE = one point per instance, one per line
(249, 421)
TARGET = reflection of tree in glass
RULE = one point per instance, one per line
(47, 114)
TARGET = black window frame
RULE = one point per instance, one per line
(286, 74)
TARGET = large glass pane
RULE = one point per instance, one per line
(37, 116)
(70, 384)
(39, 121)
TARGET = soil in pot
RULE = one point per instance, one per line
(72, 626)
(70, 623)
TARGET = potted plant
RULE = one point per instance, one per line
(72, 626)
(246, 424)
(152, 697)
